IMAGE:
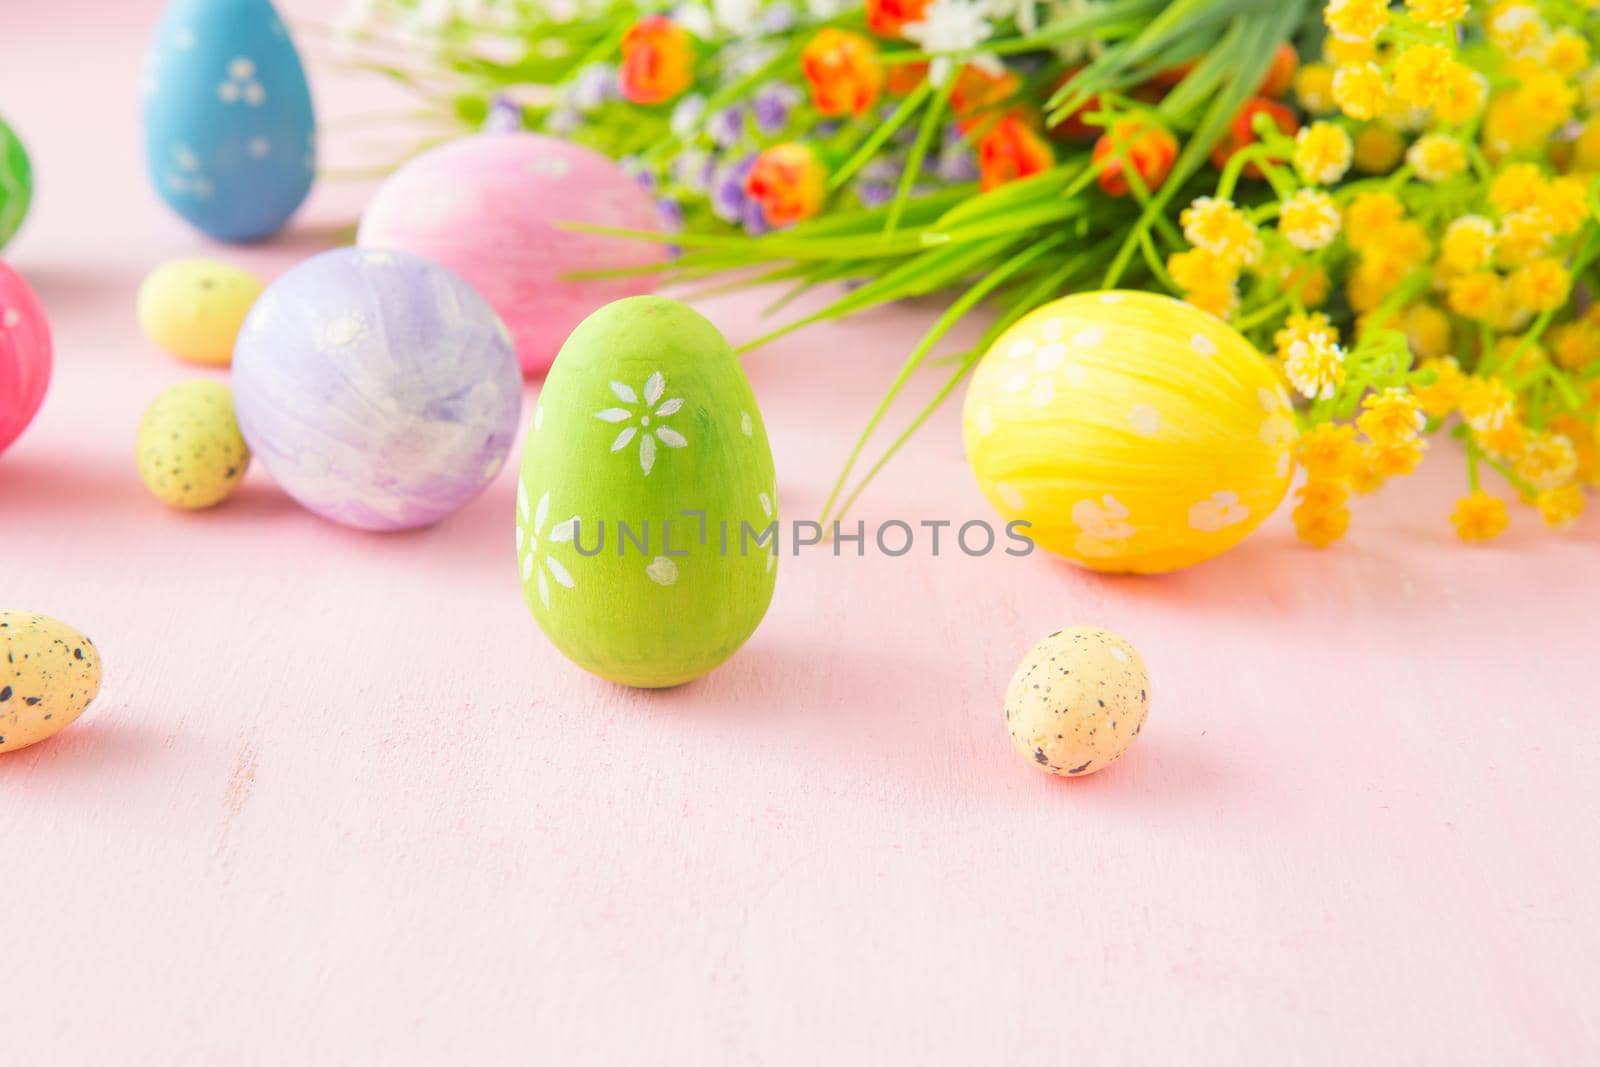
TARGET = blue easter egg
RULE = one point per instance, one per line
(229, 134)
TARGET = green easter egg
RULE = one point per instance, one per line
(647, 508)
(16, 183)
(191, 454)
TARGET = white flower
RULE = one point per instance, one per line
(529, 530)
(639, 422)
(738, 17)
(1074, 50)
(1025, 12)
(950, 29)
(695, 20)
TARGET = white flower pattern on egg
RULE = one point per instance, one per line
(1278, 429)
(552, 167)
(1217, 512)
(1145, 420)
(530, 528)
(640, 422)
(241, 84)
(1103, 526)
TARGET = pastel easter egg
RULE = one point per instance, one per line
(194, 308)
(24, 355)
(1135, 433)
(378, 389)
(191, 454)
(229, 133)
(49, 673)
(16, 183)
(1077, 701)
(647, 508)
(489, 207)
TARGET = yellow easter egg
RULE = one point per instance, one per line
(1077, 701)
(1134, 432)
(191, 454)
(193, 308)
(49, 673)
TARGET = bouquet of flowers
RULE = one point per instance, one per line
(1396, 204)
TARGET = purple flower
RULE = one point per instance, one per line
(563, 121)
(777, 19)
(726, 127)
(958, 163)
(505, 115)
(594, 85)
(772, 107)
(755, 219)
(693, 170)
(686, 116)
(882, 169)
(642, 176)
(670, 212)
(728, 198)
(874, 194)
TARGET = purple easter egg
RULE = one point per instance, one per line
(377, 388)
(24, 355)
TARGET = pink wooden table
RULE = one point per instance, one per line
(340, 803)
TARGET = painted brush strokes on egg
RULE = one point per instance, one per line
(378, 389)
(492, 207)
(25, 357)
(230, 136)
(16, 183)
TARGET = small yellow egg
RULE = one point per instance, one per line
(1133, 432)
(193, 308)
(1077, 701)
(191, 454)
(49, 673)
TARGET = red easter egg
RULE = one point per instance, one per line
(24, 355)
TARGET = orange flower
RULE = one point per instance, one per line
(843, 71)
(1171, 76)
(1150, 149)
(789, 183)
(887, 18)
(1075, 124)
(1241, 131)
(975, 90)
(657, 60)
(1011, 150)
(1280, 75)
(904, 77)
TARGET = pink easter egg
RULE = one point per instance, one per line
(24, 355)
(488, 207)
